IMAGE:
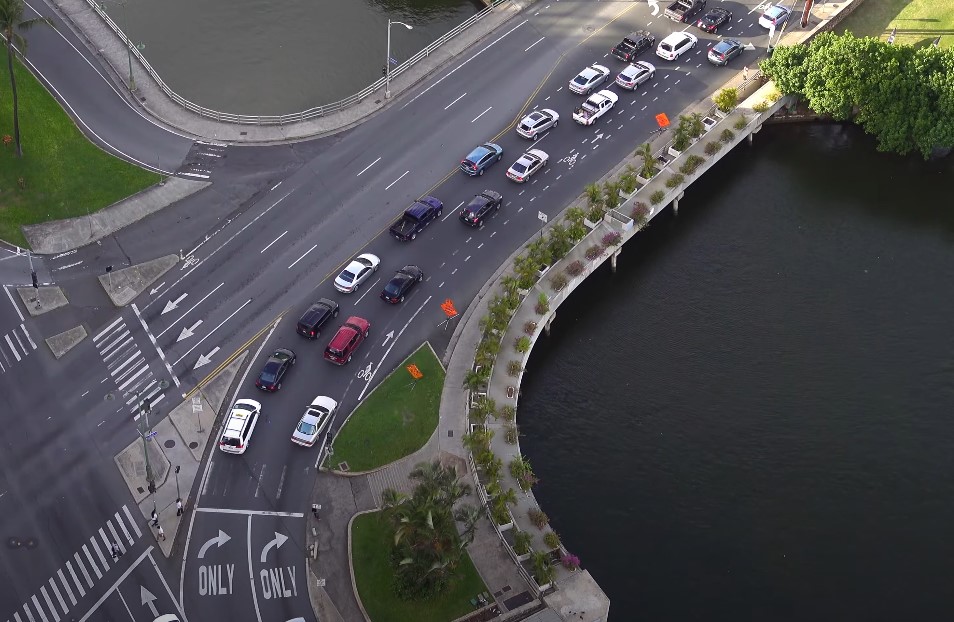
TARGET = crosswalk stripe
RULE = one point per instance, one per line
(99, 553)
(25, 353)
(27, 333)
(12, 349)
(66, 586)
(82, 566)
(39, 611)
(59, 597)
(99, 575)
(132, 522)
(16, 616)
(107, 329)
(109, 349)
(122, 525)
(76, 581)
(154, 402)
(120, 348)
(128, 381)
(126, 362)
(139, 398)
(49, 603)
(106, 543)
(116, 538)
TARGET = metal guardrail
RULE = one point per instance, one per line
(311, 113)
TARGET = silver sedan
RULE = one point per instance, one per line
(537, 122)
(635, 74)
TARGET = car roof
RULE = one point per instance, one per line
(409, 269)
(717, 10)
(245, 404)
(477, 153)
(324, 401)
(725, 44)
(776, 10)
(418, 209)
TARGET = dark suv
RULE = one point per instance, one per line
(347, 339)
(481, 206)
(317, 316)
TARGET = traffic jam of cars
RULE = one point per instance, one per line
(593, 83)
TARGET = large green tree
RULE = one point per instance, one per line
(12, 25)
(427, 547)
(904, 96)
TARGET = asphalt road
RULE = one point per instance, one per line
(273, 254)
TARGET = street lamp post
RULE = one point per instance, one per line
(129, 43)
(145, 430)
(387, 60)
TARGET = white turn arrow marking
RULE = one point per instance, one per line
(598, 136)
(205, 359)
(234, 313)
(154, 290)
(147, 599)
(218, 540)
(173, 304)
(387, 338)
(277, 543)
(749, 46)
(654, 5)
(187, 332)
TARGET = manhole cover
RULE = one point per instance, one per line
(588, 28)
(140, 489)
(193, 445)
(377, 101)
(169, 444)
(14, 542)
(32, 543)
(343, 466)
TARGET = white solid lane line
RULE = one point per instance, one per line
(454, 211)
(397, 180)
(368, 166)
(367, 290)
(455, 101)
(190, 310)
(303, 256)
(534, 43)
(482, 114)
(272, 242)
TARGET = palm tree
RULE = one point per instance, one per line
(645, 151)
(11, 25)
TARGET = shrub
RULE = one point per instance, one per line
(680, 137)
(694, 126)
(576, 229)
(521, 542)
(558, 281)
(522, 345)
(627, 180)
(726, 99)
(551, 539)
(511, 434)
(594, 252)
(691, 164)
(657, 197)
(559, 241)
(522, 472)
(507, 413)
(726, 135)
(575, 268)
(675, 180)
(570, 561)
(712, 147)
(611, 239)
(774, 95)
(500, 513)
(762, 106)
(596, 213)
(648, 168)
(483, 408)
(594, 195)
(543, 304)
(740, 123)
(610, 195)
(640, 213)
(478, 441)
(530, 327)
(514, 368)
(542, 568)
(538, 518)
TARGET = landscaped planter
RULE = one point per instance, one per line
(674, 152)
(721, 114)
(709, 122)
(590, 224)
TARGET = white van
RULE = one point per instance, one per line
(239, 427)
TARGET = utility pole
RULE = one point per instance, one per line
(36, 284)
(144, 430)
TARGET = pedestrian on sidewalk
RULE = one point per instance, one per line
(745, 72)
(161, 534)
(179, 509)
(155, 518)
(116, 553)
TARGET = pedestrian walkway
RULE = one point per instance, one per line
(127, 366)
(81, 572)
(396, 475)
(15, 346)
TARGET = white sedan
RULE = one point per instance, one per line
(357, 272)
(537, 122)
(528, 164)
(774, 16)
(673, 46)
(314, 420)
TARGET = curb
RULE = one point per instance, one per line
(354, 585)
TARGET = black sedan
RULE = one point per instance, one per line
(401, 284)
(713, 18)
(275, 369)
(484, 204)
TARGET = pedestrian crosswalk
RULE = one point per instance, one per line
(53, 601)
(127, 366)
(15, 346)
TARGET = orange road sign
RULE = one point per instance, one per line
(662, 119)
(415, 372)
(448, 307)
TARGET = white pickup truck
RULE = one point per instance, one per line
(595, 107)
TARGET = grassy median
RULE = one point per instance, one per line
(61, 174)
(371, 547)
(918, 22)
(394, 420)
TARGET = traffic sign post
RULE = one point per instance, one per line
(450, 311)
(416, 375)
(542, 218)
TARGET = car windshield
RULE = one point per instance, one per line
(270, 373)
(393, 288)
(346, 276)
(519, 167)
(581, 79)
(665, 47)
(308, 429)
(231, 441)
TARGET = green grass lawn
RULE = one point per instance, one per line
(394, 421)
(918, 21)
(63, 174)
(371, 545)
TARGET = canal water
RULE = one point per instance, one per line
(754, 418)
(263, 57)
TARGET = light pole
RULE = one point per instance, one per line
(145, 430)
(387, 60)
(129, 43)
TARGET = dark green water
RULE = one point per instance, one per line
(754, 418)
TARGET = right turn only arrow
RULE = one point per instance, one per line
(277, 543)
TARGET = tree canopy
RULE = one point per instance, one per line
(902, 95)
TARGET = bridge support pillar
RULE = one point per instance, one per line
(546, 327)
(675, 203)
(613, 257)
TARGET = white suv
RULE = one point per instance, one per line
(239, 427)
(673, 46)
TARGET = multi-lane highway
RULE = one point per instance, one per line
(271, 257)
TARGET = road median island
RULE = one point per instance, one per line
(395, 419)
(61, 174)
(373, 575)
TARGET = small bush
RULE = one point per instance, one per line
(570, 561)
(538, 518)
(740, 123)
(507, 414)
(522, 345)
(514, 368)
(726, 99)
(675, 180)
(558, 281)
(594, 252)
(726, 135)
(762, 106)
(551, 539)
(712, 147)
(627, 180)
(612, 238)
(530, 327)
(543, 304)
(575, 268)
(511, 434)
(657, 197)
(521, 542)
(640, 213)
(774, 96)
(691, 164)
(596, 213)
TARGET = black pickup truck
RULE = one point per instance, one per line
(685, 10)
(633, 45)
(416, 217)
